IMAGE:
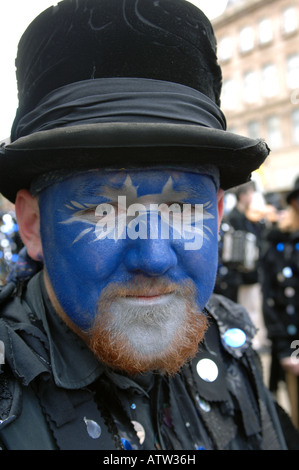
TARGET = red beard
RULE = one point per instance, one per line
(113, 347)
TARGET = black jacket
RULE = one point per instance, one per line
(54, 394)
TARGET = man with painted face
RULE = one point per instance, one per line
(117, 164)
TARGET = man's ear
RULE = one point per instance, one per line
(27, 212)
(220, 196)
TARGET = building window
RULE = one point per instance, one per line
(265, 31)
(269, 80)
(253, 129)
(289, 20)
(229, 96)
(293, 71)
(246, 39)
(225, 49)
(295, 126)
(274, 137)
(251, 87)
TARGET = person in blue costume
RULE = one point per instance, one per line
(119, 157)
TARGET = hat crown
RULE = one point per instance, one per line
(83, 46)
(78, 40)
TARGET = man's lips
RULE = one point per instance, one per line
(149, 299)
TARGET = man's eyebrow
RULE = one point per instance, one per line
(194, 191)
(110, 190)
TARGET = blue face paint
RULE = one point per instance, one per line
(90, 241)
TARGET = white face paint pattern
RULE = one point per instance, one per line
(116, 219)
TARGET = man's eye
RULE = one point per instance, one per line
(176, 207)
(182, 208)
(94, 213)
(104, 209)
(179, 208)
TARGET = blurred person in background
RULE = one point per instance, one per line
(10, 240)
(280, 287)
(238, 277)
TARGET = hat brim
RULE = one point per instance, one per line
(141, 145)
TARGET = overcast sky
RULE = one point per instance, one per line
(15, 17)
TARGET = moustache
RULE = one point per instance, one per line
(141, 286)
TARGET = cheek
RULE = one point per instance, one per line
(203, 271)
(78, 271)
(86, 262)
(201, 266)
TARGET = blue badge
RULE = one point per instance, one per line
(126, 444)
(234, 337)
(287, 272)
(292, 330)
(290, 309)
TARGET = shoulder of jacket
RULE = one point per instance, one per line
(226, 310)
(230, 315)
(6, 292)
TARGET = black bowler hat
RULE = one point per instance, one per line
(121, 83)
(295, 191)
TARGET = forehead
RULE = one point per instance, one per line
(137, 183)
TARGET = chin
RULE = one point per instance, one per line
(135, 332)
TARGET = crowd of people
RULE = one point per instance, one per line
(265, 229)
(10, 241)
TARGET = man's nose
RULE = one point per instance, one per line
(151, 257)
